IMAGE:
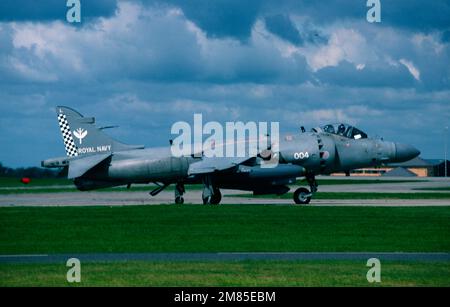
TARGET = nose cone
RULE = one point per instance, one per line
(405, 152)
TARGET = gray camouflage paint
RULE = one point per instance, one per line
(104, 162)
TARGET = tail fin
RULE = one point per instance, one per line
(82, 137)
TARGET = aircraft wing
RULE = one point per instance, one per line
(209, 165)
(79, 167)
(213, 164)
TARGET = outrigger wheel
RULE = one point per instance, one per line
(179, 200)
(179, 191)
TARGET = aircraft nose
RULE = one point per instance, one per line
(405, 152)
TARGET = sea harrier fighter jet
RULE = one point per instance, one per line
(95, 160)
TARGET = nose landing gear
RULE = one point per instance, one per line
(302, 196)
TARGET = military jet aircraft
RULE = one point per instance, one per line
(95, 160)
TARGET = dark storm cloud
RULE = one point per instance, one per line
(409, 14)
(47, 10)
(220, 18)
(234, 18)
(417, 14)
(282, 26)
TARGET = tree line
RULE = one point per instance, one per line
(32, 172)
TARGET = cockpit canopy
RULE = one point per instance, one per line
(344, 130)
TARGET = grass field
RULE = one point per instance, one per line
(253, 228)
(232, 228)
(242, 273)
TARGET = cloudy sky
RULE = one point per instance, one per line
(143, 65)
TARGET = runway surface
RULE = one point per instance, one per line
(194, 196)
(191, 197)
(117, 257)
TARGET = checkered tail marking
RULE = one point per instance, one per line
(71, 149)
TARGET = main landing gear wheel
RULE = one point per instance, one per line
(302, 196)
(213, 199)
(216, 197)
(211, 194)
(206, 200)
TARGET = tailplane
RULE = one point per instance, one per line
(82, 137)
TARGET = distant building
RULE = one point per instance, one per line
(416, 167)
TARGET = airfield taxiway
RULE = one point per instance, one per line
(112, 198)
(191, 197)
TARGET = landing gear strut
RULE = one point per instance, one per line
(179, 191)
(211, 194)
(302, 196)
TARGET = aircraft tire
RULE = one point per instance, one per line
(179, 200)
(207, 200)
(216, 198)
(300, 198)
